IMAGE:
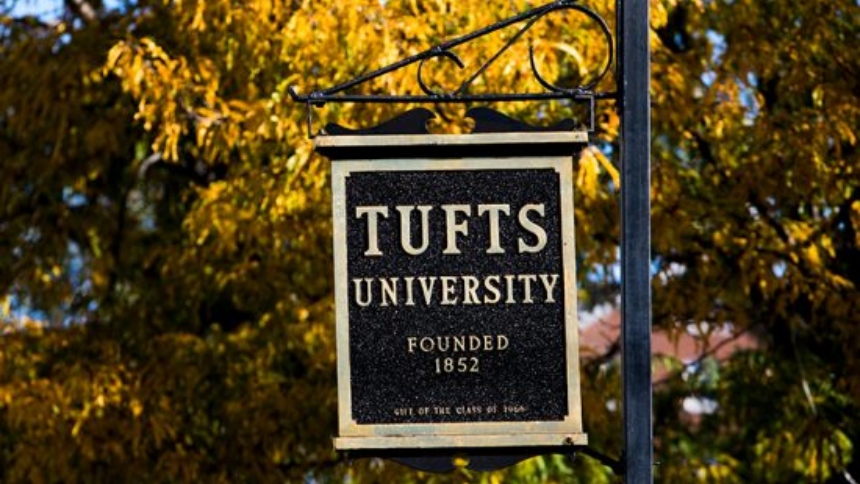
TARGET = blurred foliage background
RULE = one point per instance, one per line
(165, 256)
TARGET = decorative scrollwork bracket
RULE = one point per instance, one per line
(581, 94)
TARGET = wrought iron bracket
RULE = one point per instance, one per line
(581, 94)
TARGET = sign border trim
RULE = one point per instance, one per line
(459, 434)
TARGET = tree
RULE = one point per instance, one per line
(165, 230)
(756, 201)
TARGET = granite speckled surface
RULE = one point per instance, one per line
(392, 379)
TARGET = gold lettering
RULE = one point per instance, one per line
(457, 343)
(527, 287)
(465, 290)
(493, 211)
(427, 289)
(406, 226)
(409, 299)
(444, 343)
(470, 290)
(502, 342)
(372, 229)
(427, 344)
(388, 288)
(492, 288)
(549, 281)
(474, 342)
(535, 229)
(358, 298)
(453, 227)
(448, 289)
(488, 342)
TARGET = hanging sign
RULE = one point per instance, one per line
(455, 290)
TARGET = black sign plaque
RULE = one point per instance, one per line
(456, 302)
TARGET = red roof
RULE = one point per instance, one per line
(687, 346)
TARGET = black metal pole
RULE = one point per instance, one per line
(634, 53)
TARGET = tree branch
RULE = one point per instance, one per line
(704, 355)
(83, 10)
